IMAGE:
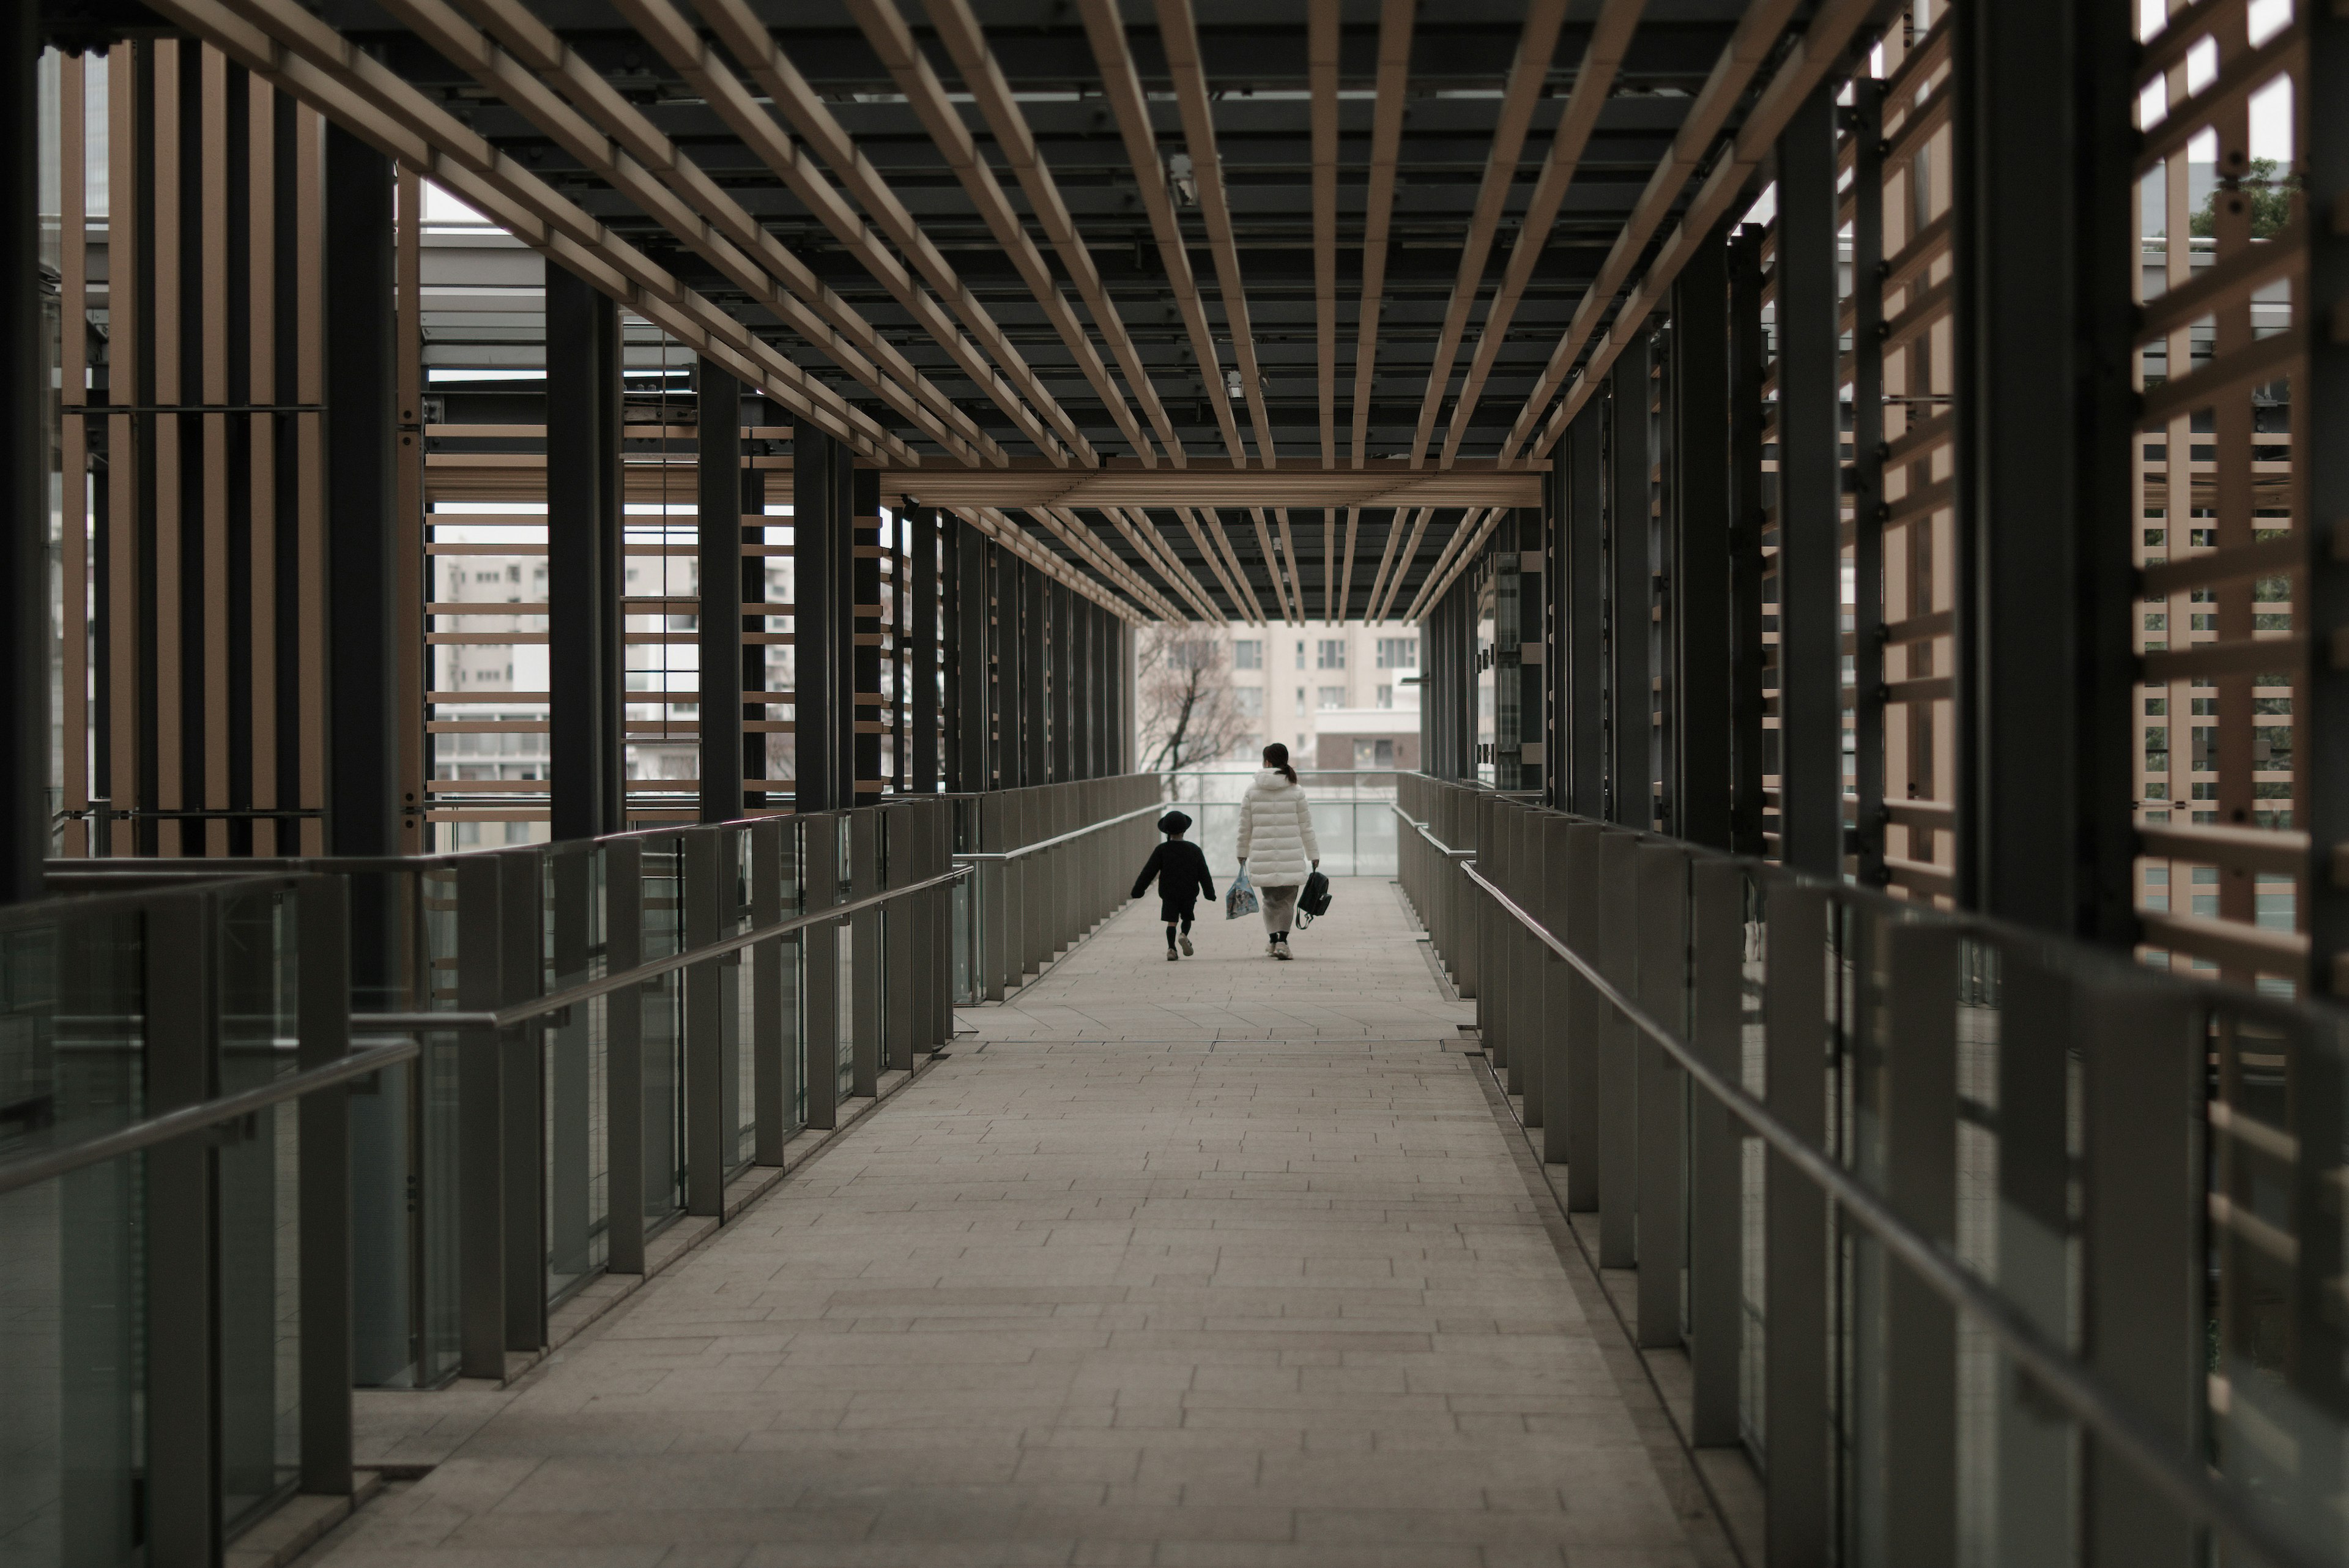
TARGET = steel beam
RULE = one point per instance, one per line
(2045, 412)
(1630, 787)
(362, 788)
(2323, 393)
(25, 441)
(1749, 496)
(719, 565)
(584, 571)
(1810, 497)
(1697, 566)
(819, 568)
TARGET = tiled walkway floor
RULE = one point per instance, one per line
(1224, 1262)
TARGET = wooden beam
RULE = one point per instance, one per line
(1390, 483)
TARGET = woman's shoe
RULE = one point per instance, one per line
(1187, 949)
(1281, 950)
(1173, 957)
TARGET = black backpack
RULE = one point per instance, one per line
(1314, 901)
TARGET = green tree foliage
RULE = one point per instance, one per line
(2266, 187)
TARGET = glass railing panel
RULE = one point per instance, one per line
(72, 1304)
(73, 1341)
(663, 1000)
(844, 956)
(741, 1075)
(429, 1294)
(574, 1060)
(1753, 1174)
(962, 904)
(258, 1232)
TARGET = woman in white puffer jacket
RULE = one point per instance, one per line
(1277, 830)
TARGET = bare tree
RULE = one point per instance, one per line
(1188, 712)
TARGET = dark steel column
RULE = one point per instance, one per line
(362, 782)
(1010, 668)
(819, 543)
(718, 623)
(2046, 669)
(1746, 501)
(1810, 497)
(865, 652)
(923, 648)
(971, 671)
(23, 405)
(1582, 595)
(584, 573)
(2323, 725)
(1034, 695)
(1060, 604)
(1698, 565)
(1863, 118)
(1630, 792)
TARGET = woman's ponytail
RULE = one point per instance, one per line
(1276, 757)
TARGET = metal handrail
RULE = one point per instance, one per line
(520, 1012)
(1000, 854)
(179, 1123)
(1441, 848)
(2192, 1488)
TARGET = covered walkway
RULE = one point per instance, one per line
(1220, 1262)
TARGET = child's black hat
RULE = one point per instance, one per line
(1173, 822)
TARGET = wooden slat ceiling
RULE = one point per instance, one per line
(1240, 307)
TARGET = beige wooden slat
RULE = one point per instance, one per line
(1528, 74)
(1395, 20)
(620, 143)
(1179, 36)
(1594, 82)
(966, 43)
(1015, 387)
(1121, 87)
(886, 29)
(1757, 34)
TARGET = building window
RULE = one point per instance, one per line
(1331, 654)
(1398, 653)
(1249, 699)
(1247, 653)
(1331, 696)
(1374, 754)
(1300, 653)
(1386, 696)
(1301, 698)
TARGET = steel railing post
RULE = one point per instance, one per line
(706, 1137)
(624, 1058)
(480, 1127)
(1919, 1051)
(1716, 1198)
(182, 1491)
(819, 966)
(1586, 1109)
(990, 901)
(870, 974)
(1618, 953)
(522, 965)
(1661, 868)
(322, 907)
(1548, 865)
(771, 1089)
(1796, 1229)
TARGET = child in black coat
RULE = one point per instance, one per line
(1182, 875)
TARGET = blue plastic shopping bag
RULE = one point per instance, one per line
(1239, 896)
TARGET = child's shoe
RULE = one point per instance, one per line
(1187, 949)
(1173, 957)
